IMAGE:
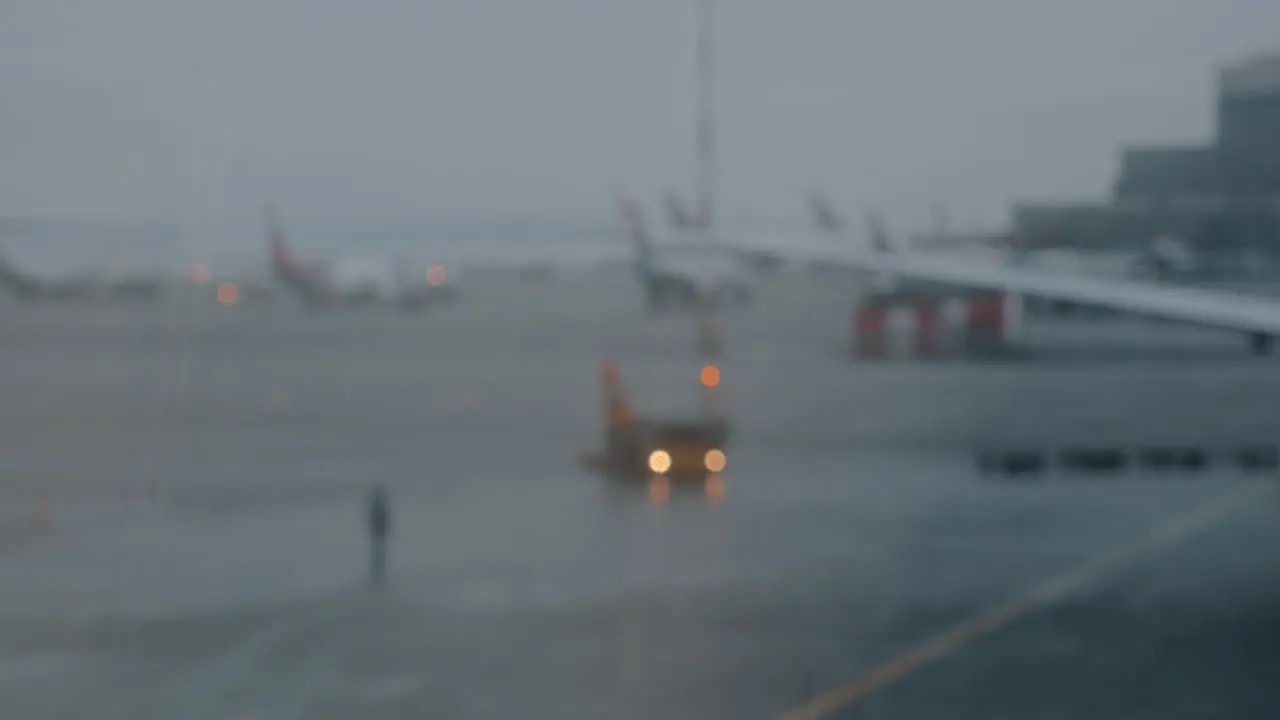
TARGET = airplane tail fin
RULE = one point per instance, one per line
(637, 232)
(282, 260)
(824, 215)
(881, 241)
(677, 214)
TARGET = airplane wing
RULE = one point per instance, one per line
(1224, 310)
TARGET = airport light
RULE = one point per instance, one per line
(710, 376)
(715, 460)
(436, 275)
(228, 294)
(660, 461)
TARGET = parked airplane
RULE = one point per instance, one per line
(831, 226)
(1163, 259)
(356, 281)
(830, 223)
(689, 230)
(1166, 257)
(684, 272)
(94, 285)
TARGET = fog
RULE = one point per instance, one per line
(195, 112)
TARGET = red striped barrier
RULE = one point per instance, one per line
(978, 323)
(870, 330)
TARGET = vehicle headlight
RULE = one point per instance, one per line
(714, 460)
(660, 461)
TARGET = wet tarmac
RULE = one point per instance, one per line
(184, 487)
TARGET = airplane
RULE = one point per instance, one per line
(826, 218)
(1165, 257)
(683, 272)
(690, 230)
(693, 258)
(831, 226)
(1257, 318)
(93, 285)
(355, 281)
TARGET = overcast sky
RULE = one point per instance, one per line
(200, 109)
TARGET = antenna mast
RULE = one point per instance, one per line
(706, 149)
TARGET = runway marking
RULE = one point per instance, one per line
(1038, 597)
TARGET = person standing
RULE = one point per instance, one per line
(379, 527)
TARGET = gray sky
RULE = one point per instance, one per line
(200, 109)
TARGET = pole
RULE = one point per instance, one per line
(706, 113)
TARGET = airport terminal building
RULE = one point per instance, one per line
(1222, 197)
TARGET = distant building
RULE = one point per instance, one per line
(1219, 196)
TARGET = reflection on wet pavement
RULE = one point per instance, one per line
(179, 547)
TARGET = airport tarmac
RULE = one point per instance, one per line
(184, 487)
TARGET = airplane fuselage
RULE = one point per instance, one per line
(86, 288)
(685, 279)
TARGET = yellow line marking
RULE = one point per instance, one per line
(1050, 591)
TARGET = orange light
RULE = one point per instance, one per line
(710, 376)
(660, 461)
(201, 274)
(228, 294)
(436, 275)
(714, 460)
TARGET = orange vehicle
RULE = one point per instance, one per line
(675, 449)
